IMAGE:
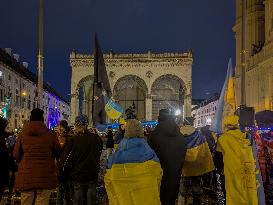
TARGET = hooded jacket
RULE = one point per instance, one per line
(82, 157)
(169, 145)
(35, 150)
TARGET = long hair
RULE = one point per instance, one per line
(80, 130)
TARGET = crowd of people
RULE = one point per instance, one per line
(163, 166)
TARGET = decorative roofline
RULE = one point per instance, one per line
(149, 55)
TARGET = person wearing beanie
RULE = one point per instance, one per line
(80, 161)
(119, 135)
(62, 132)
(64, 187)
(134, 172)
(237, 156)
(109, 141)
(36, 150)
(198, 161)
(170, 146)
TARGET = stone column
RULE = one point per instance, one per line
(187, 104)
(74, 107)
(148, 107)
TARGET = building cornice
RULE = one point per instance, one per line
(134, 60)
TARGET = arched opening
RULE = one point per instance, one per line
(130, 90)
(168, 91)
(85, 93)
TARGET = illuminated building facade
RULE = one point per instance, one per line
(205, 111)
(259, 53)
(18, 94)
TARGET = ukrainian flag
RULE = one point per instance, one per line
(226, 103)
(198, 160)
(134, 174)
(113, 110)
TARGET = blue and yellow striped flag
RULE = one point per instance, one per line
(198, 160)
(113, 110)
(226, 103)
(134, 174)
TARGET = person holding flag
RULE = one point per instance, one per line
(102, 103)
(241, 172)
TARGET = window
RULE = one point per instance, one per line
(29, 103)
(17, 97)
(23, 102)
(16, 81)
(9, 77)
(1, 95)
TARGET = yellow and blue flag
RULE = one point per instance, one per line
(226, 103)
(198, 160)
(134, 174)
(113, 110)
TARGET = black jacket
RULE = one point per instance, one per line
(110, 139)
(81, 157)
(170, 147)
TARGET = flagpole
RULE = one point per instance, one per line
(40, 54)
(243, 52)
(95, 79)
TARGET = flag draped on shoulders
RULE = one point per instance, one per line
(239, 168)
(226, 104)
(134, 174)
(198, 160)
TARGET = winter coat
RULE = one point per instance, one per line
(119, 135)
(110, 139)
(81, 157)
(35, 150)
(4, 161)
(169, 145)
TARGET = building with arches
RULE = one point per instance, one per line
(149, 81)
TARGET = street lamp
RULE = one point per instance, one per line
(177, 112)
(24, 93)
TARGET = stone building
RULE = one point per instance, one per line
(150, 81)
(259, 53)
(18, 93)
(205, 111)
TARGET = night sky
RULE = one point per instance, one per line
(125, 26)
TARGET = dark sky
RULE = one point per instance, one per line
(123, 26)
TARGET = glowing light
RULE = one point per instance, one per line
(177, 112)
(24, 93)
(208, 120)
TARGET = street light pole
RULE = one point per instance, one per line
(40, 54)
(243, 52)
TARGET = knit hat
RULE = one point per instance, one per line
(37, 115)
(133, 128)
(231, 120)
(81, 121)
(165, 114)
